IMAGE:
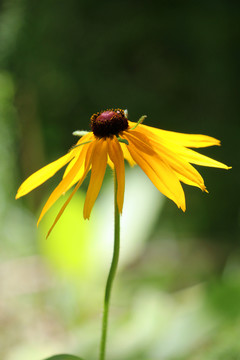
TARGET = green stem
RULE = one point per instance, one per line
(111, 274)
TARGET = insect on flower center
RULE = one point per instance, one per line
(109, 122)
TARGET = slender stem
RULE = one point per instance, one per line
(111, 274)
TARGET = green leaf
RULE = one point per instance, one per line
(64, 357)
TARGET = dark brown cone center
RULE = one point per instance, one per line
(109, 122)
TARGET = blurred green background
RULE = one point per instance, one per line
(177, 293)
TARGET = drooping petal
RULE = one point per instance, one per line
(161, 175)
(126, 154)
(110, 163)
(42, 175)
(99, 163)
(77, 177)
(86, 169)
(195, 158)
(180, 166)
(84, 139)
(188, 140)
(116, 155)
(64, 207)
(70, 165)
(139, 140)
(183, 170)
(189, 155)
(187, 181)
(45, 173)
(63, 186)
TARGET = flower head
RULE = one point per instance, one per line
(164, 156)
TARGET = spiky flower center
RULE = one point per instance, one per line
(109, 122)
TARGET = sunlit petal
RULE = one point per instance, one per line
(182, 152)
(140, 141)
(116, 155)
(99, 163)
(161, 176)
(77, 177)
(84, 139)
(110, 163)
(195, 158)
(86, 169)
(188, 140)
(127, 154)
(42, 175)
(180, 166)
(64, 184)
(187, 181)
(71, 164)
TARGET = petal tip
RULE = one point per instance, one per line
(203, 188)
(50, 230)
(85, 215)
(20, 193)
(182, 206)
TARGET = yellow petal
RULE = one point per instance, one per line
(110, 163)
(78, 175)
(195, 158)
(70, 165)
(161, 176)
(99, 163)
(187, 154)
(180, 166)
(76, 151)
(40, 176)
(86, 169)
(186, 180)
(139, 140)
(188, 140)
(88, 137)
(64, 184)
(116, 155)
(64, 207)
(127, 155)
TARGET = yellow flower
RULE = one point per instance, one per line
(163, 155)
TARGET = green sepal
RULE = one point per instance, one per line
(140, 121)
(124, 141)
(80, 133)
(75, 146)
(64, 357)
